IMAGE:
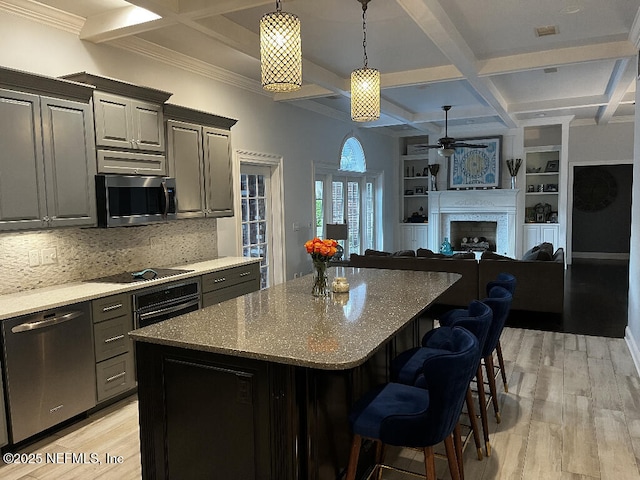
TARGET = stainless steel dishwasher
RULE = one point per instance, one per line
(49, 368)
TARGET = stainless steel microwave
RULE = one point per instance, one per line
(124, 200)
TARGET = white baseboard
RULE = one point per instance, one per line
(601, 255)
(633, 348)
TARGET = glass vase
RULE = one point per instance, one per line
(320, 280)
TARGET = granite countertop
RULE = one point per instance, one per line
(31, 301)
(286, 324)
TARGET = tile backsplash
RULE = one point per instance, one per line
(84, 253)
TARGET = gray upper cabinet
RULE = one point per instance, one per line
(199, 157)
(217, 155)
(186, 164)
(47, 164)
(129, 126)
(123, 122)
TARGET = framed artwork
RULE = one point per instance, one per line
(552, 166)
(471, 167)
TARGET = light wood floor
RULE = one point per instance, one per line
(572, 413)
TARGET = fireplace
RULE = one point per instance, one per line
(497, 208)
(473, 236)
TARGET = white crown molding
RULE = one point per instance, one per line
(190, 64)
(43, 14)
(53, 17)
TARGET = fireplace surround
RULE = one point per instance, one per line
(498, 206)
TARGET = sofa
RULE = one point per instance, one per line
(539, 275)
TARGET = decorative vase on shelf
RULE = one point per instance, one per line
(513, 182)
(445, 248)
(320, 279)
(434, 168)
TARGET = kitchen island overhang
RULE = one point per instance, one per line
(260, 386)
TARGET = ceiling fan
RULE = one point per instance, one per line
(446, 145)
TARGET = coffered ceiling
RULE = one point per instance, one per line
(483, 57)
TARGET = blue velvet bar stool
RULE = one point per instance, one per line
(499, 301)
(416, 417)
(406, 367)
(508, 282)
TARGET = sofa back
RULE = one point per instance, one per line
(540, 284)
(460, 294)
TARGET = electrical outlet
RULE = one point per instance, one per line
(49, 256)
(296, 226)
(295, 275)
(34, 258)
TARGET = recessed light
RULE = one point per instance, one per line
(571, 9)
(546, 30)
(550, 70)
(540, 115)
(470, 121)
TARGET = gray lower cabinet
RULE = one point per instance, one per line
(199, 157)
(115, 369)
(47, 167)
(230, 283)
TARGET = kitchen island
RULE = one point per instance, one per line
(259, 387)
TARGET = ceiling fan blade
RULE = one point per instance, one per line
(467, 145)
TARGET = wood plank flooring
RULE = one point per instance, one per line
(572, 413)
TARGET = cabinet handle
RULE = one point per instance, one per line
(113, 339)
(244, 274)
(115, 377)
(221, 279)
(112, 307)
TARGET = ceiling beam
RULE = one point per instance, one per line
(556, 58)
(622, 77)
(433, 21)
(558, 104)
(119, 23)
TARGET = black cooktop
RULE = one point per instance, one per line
(140, 276)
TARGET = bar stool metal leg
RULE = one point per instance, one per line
(502, 370)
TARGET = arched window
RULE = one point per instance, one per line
(348, 196)
(352, 156)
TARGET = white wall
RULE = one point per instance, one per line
(633, 328)
(299, 136)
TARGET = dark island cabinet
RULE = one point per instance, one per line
(215, 416)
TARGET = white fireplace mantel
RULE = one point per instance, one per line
(499, 205)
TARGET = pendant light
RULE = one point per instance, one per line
(280, 51)
(365, 83)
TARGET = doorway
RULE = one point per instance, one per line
(261, 219)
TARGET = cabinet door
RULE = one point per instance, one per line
(219, 182)
(148, 126)
(131, 163)
(113, 120)
(70, 167)
(421, 236)
(550, 234)
(22, 190)
(185, 161)
(531, 237)
(407, 240)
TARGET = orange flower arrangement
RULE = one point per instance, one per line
(321, 252)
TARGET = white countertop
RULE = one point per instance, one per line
(31, 301)
(286, 324)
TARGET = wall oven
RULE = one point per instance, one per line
(153, 305)
(124, 200)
